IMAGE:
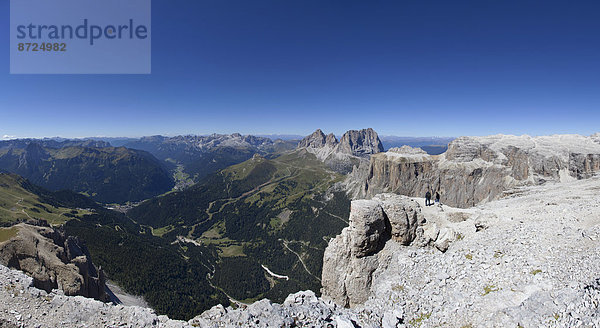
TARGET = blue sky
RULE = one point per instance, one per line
(410, 68)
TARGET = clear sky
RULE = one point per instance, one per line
(410, 68)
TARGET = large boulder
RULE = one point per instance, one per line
(403, 215)
(351, 257)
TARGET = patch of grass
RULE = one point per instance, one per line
(419, 320)
(534, 272)
(398, 288)
(7, 233)
(20, 204)
(215, 232)
(275, 223)
(469, 256)
(460, 237)
(232, 251)
(489, 288)
(159, 232)
(498, 254)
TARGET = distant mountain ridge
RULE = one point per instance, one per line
(105, 173)
(432, 145)
(53, 143)
(192, 157)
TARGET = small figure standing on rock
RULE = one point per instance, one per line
(428, 198)
(437, 197)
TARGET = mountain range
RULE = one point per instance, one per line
(193, 157)
(524, 255)
(107, 174)
(249, 217)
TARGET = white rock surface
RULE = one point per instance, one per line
(531, 259)
(22, 305)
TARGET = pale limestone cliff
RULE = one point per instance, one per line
(479, 169)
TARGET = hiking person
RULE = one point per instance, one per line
(437, 197)
(428, 198)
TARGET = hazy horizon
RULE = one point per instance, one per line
(286, 136)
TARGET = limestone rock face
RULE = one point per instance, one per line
(360, 143)
(404, 216)
(331, 140)
(408, 150)
(480, 169)
(315, 140)
(351, 258)
(367, 227)
(53, 261)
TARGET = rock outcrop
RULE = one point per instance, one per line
(354, 147)
(479, 169)
(302, 309)
(349, 260)
(54, 261)
(527, 260)
(23, 305)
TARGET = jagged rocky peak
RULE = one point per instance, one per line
(342, 156)
(316, 139)
(331, 140)
(360, 142)
(354, 142)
